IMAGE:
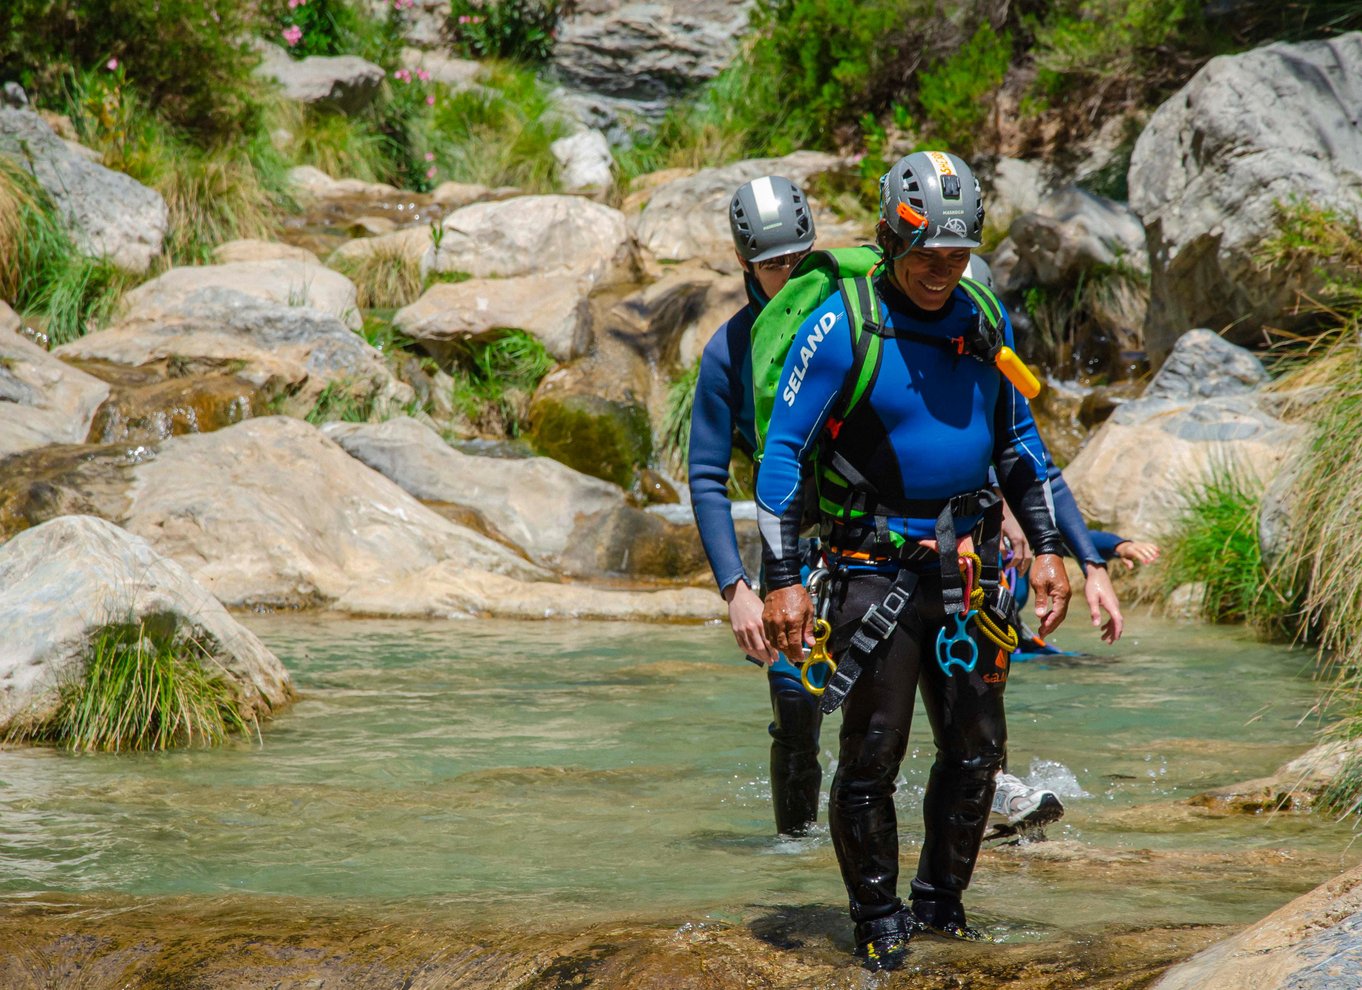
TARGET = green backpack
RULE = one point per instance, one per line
(812, 283)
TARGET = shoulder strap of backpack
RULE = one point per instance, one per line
(982, 297)
(863, 318)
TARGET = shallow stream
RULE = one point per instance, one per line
(569, 774)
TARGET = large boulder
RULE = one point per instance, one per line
(534, 235)
(43, 400)
(283, 281)
(1313, 943)
(345, 83)
(1249, 132)
(688, 216)
(552, 309)
(62, 581)
(638, 55)
(285, 352)
(1133, 473)
(109, 214)
(562, 519)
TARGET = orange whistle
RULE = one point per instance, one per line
(1018, 373)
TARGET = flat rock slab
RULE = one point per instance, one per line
(346, 83)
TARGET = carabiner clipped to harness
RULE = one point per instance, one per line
(958, 649)
(818, 657)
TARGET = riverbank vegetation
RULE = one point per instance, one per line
(142, 686)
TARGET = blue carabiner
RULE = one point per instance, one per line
(947, 646)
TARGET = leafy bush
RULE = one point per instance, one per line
(956, 93)
(143, 688)
(336, 27)
(190, 59)
(520, 30)
(494, 381)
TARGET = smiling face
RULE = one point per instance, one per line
(928, 276)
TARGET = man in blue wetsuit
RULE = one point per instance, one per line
(910, 468)
(722, 415)
(772, 230)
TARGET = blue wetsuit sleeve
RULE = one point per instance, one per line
(713, 417)
(815, 370)
(1106, 543)
(1021, 461)
(1070, 520)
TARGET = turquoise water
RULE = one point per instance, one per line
(593, 771)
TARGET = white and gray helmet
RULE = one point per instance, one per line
(770, 218)
(932, 199)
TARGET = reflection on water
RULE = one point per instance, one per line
(591, 771)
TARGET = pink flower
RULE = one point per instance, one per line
(430, 100)
(404, 75)
(423, 75)
(464, 18)
(111, 64)
(293, 34)
(430, 156)
(430, 172)
(295, 4)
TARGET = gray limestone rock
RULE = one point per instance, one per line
(1248, 132)
(1072, 232)
(1204, 364)
(346, 83)
(584, 161)
(108, 214)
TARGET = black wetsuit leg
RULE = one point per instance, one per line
(969, 729)
(970, 732)
(796, 776)
(875, 722)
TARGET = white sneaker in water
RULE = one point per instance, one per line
(1022, 805)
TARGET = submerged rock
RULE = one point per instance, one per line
(64, 580)
(1313, 943)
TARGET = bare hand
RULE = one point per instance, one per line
(1133, 552)
(1021, 548)
(1101, 596)
(788, 616)
(1051, 585)
(744, 615)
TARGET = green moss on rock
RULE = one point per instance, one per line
(604, 438)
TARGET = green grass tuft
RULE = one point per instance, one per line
(144, 687)
(674, 443)
(344, 401)
(494, 381)
(385, 278)
(1214, 546)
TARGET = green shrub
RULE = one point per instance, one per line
(956, 93)
(520, 30)
(190, 59)
(495, 379)
(1080, 42)
(1066, 334)
(499, 135)
(1214, 546)
(143, 687)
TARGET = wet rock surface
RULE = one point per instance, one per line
(222, 944)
